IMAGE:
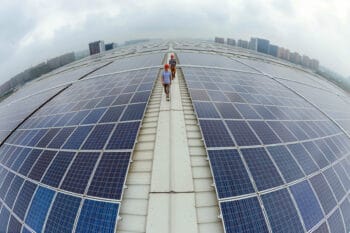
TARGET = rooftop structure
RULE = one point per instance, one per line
(247, 143)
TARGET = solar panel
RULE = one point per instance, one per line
(57, 169)
(243, 216)
(97, 216)
(39, 208)
(323, 192)
(282, 139)
(63, 213)
(215, 134)
(124, 136)
(286, 163)
(80, 171)
(4, 219)
(41, 165)
(13, 191)
(14, 225)
(345, 209)
(24, 198)
(335, 222)
(242, 133)
(307, 204)
(281, 212)
(108, 181)
(98, 137)
(262, 168)
(231, 177)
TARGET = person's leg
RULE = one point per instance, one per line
(167, 90)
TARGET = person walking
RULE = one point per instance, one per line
(166, 81)
(172, 63)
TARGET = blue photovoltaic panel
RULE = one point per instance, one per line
(13, 191)
(243, 216)
(124, 136)
(6, 184)
(335, 222)
(134, 112)
(242, 133)
(262, 169)
(345, 209)
(206, 110)
(303, 158)
(39, 208)
(265, 133)
(51, 133)
(323, 192)
(29, 161)
(98, 137)
(77, 137)
(316, 154)
(335, 184)
(218, 96)
(285, 162)
(231, 177)
(57, 168)
(247, 112)
(62, 214)
(122, 99)
(97, 216)
(282, 131)
(4, 219)
(112, 114)
(281, 212)
(264, 112)
(109, 178)
(322, 229)
(228, 111)
(41, 165)
(307, 204)
(14, 225)
(24, 198)
(60, 138)
(80, 171)
(296, 130)
(94, 116)
(330, 156)
(215, 134)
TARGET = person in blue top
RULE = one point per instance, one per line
(166, 80)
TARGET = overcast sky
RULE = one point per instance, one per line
(32, 31)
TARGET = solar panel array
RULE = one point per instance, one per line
(64, 168)
(279, 164)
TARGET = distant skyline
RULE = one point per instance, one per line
(35, 30)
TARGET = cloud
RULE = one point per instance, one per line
(35, 30)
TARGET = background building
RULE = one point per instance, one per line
(231, 41)
(96, 47)
(242, 43)
(273, 50)
(220, 40)
(111, 46)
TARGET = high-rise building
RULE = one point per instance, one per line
(242, 43)
(273, 50)
(314, 64)
(220, 40)
(231, 41)
(96, 47)
(111, 46)
(253, 44)
(259, 45)
(280, 52)
(295, 58)
(97, 148)
(306, 61)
